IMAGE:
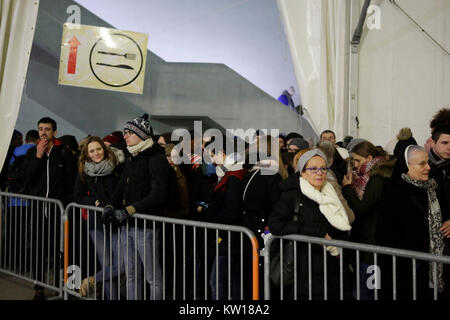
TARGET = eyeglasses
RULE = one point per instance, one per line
(316, 170)
(127, 133)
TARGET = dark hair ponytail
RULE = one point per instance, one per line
(366, 148)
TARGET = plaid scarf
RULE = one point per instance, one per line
(361, 177)
(434, 224)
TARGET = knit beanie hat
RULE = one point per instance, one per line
(140, 126)
(300, 143)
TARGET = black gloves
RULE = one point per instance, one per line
(119, 218)
(108, 212)
(115, 217)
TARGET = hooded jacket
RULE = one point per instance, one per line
(51, 176)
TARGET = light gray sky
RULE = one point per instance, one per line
(245, 35)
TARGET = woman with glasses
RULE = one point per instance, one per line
(310, 206)
(365, 189)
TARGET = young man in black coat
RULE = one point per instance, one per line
(439, 155)
(439, 161)
(142, 189)
(49, 172)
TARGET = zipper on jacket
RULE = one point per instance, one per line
(48, 179)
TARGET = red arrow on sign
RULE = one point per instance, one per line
(71, 66)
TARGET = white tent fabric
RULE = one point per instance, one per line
(317, 32)
(17, 24)
(404, 77)
(403, 74)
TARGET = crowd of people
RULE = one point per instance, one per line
(397, 196)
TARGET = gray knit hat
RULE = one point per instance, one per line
(140, 126)
(307, 156)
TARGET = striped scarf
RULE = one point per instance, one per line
(362, 176)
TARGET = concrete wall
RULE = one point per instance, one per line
(172, 91)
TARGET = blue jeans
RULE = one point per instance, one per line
(134, 253)
(223, 280)
(109, 271)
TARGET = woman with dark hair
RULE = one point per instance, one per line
(95, 182)
(365, 190)
(309, 206)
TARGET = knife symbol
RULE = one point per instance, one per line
(123, 66)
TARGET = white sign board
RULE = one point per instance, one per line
(102, 58)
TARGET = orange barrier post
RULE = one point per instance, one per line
(255, 256)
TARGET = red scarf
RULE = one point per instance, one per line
(361, 177)
(222, 184)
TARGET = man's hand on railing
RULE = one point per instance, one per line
(119, 218)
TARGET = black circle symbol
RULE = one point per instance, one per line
(118, 67)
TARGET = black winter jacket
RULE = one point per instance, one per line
(92, 189)
(225, 207)
(200, 188)
(144, 183)
(404, 225)
(53, 175)
(441, 173)
(373, 202)
(310, 222)
(261, 195)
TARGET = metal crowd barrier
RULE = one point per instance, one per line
(31, 239)
(184, 259)
(391, 258)
(35, 231)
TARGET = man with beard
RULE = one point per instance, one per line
(48, 172)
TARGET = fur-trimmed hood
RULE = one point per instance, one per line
(384, 168)
(120, 155)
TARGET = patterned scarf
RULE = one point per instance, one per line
(434, 224)
(100, 169)
(362, 176)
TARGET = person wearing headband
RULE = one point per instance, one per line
(309, 206)
(413, 220)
